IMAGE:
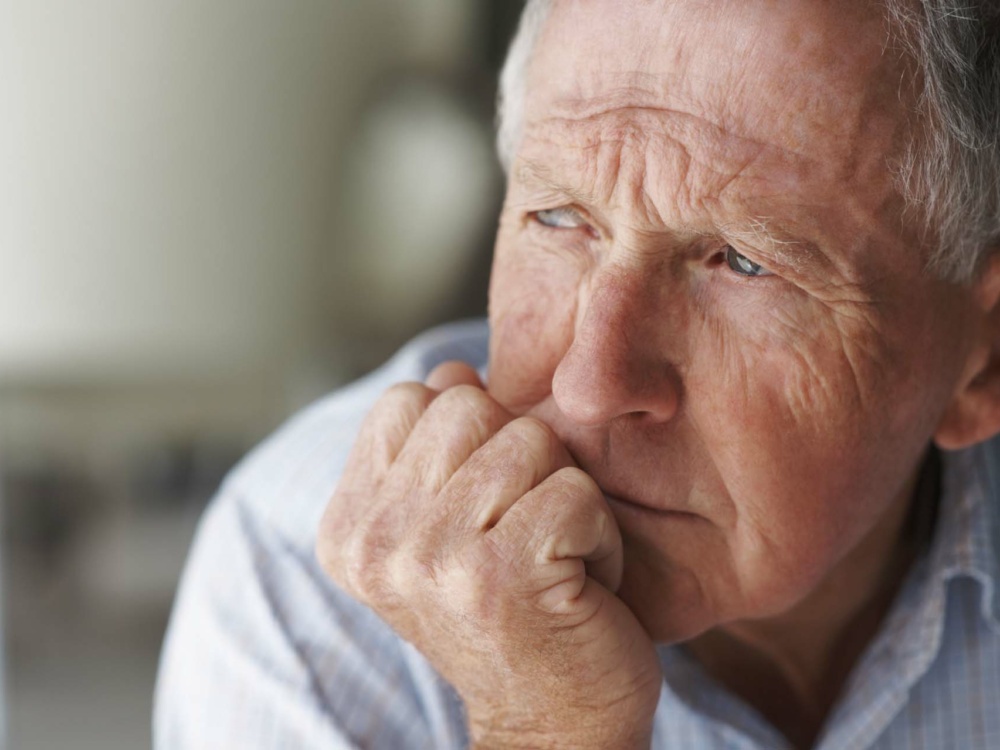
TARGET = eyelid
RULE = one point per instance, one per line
(791, 256)
(575, 215)
(764, 271)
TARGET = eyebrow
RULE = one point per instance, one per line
(791, 252)
(531, 172)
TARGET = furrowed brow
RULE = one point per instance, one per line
(790, 252)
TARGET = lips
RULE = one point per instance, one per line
(636, 506)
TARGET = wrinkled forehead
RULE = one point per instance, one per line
(802, 74)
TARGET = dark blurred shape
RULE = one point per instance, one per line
(44, 510)
(179, 474)
(502, 17)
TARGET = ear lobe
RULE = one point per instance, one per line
(974, 413)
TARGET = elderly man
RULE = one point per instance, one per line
(727, 482)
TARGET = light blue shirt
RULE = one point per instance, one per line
(263, 651)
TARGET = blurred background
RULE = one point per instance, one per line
(211, 212)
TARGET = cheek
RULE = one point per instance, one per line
(533, 301)
(809, 462)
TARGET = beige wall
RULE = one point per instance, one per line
(197, 201)
(169, 172)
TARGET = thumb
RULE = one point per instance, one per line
(449, 374)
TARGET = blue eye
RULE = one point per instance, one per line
(743, 265)
(560, 218)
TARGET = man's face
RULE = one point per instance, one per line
(761, 429)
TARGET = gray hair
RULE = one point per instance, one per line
(949, 174)
(514, 79)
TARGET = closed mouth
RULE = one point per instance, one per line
(633, 505)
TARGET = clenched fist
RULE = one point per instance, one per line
(476, 537)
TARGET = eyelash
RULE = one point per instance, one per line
(537, 217)
(726, 254)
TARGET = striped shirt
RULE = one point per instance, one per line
(263, 651)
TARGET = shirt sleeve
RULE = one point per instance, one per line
(264, 652)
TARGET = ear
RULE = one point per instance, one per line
(974, 413)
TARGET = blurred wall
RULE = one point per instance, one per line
(211, 212)
(171, 183)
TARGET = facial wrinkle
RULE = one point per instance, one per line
(588, 112)
(624, 165)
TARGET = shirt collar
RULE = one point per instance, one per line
(968, 539)
(964, 546)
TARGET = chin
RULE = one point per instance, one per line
(671, 608)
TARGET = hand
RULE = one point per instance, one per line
(476, 537)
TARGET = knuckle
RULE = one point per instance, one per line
(576, 484)
(382, 568)
(328, 548)
(463, 397)
(408, 391)
(572, 498)
(469, 401)
(404, 398)
(475, 581)
(363, 564)
(536, 436)
(408, 572)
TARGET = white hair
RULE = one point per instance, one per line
(950, 172)
(514, 79)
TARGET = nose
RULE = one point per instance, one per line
(615, 365)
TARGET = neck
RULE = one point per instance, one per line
(792, 668)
